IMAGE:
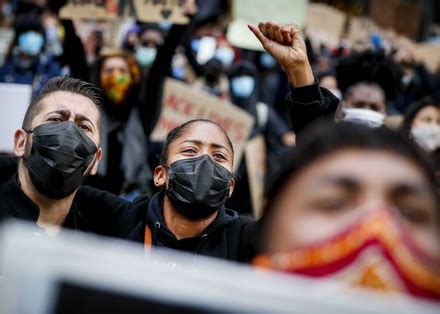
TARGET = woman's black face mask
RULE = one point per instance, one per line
(59, 158)
(198, 186)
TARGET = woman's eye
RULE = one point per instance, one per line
(189, 151)
(219, 156)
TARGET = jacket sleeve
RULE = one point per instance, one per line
(309, 103)
(8, 167)
(109, 214)
(152, 100)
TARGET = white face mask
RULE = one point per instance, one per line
(428, 137)
(365, 117)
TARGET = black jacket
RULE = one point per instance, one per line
(229, 236)
(14, 203)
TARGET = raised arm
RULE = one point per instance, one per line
(307, 101)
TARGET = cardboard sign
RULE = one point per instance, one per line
(324, 23)
(429, 54)
(182, 102)
(160, 10)
(90, 9)
(254, 11)
(255, 154)
(15, 100)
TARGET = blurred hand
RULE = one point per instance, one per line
(286, 45)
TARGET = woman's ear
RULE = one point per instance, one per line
(160, 176)
(20, 141)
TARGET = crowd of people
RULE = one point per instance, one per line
(352, 144)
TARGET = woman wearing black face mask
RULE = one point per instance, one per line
(188, 213)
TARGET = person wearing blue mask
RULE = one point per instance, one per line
(27, 62)
(245, 93)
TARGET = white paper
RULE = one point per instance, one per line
(14, 100)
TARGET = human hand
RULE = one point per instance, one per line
(286, 45)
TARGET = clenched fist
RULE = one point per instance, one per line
(286, 45)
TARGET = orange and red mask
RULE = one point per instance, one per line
(375, 252)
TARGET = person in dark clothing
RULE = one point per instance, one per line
(244, 91)
(188, 214)
(26, 62)
(129, 118)
(57, 147)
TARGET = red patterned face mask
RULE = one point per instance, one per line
(374, 253)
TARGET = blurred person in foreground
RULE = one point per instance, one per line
(375, 216)
(358, 205)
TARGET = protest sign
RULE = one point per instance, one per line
(324, 23)
(253, 11)
(15, 100)
(429, 54)
(90, 9)
(255, 154)
(153, 11)
(182, 102)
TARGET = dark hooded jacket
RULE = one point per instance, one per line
(229, 236)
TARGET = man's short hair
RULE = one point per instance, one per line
(64, 84)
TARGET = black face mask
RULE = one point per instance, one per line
(198, 186)
(59, 157)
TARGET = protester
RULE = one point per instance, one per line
(358, 205)
(26, 62)
(422, 121)
(57, 147)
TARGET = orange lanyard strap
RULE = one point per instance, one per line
(148, 240)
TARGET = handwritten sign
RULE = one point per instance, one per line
(90, 9)
(182, 102)
(160, 10)
(255, 154)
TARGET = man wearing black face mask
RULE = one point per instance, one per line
(57, 147)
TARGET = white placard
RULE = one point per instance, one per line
(15, 98)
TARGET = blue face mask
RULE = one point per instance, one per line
(242, 86)
(225, 55)
(145, 55)
(195, 44)
(267, 61)
(31, 43)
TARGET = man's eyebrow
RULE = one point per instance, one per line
(82, 117)
(216, 145)
(67, 113)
